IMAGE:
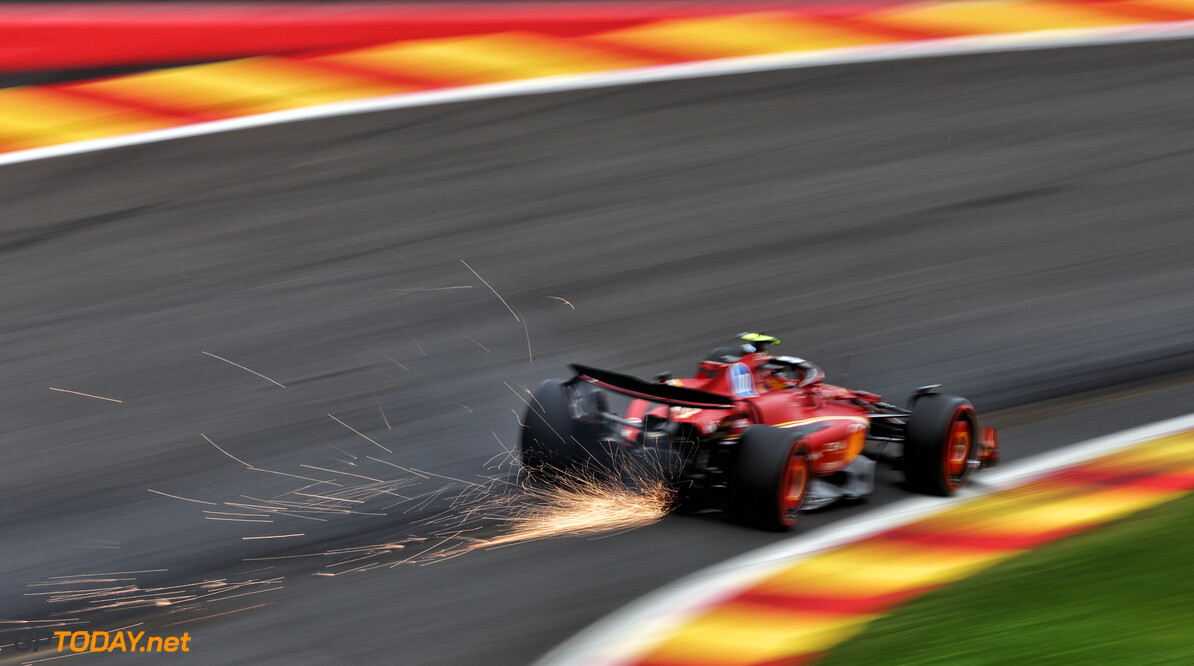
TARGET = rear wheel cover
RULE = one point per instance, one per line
(794, 486)
(959, 446)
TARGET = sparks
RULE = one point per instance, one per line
(173, 624)
(582, 505)
(359, 476)
(359, 433)
(396, 362)
(404, 469)
(243, 368)
(470, 339)
(325, 441)
(495, 293)
(383, 417)
(330, 499)
(527, 329)
(412, 339)
(225, 452)
(294, 476)
(185, 499)
(110, 573)
(414, 289)
(239, 515)
(85, 395)
(564, 301)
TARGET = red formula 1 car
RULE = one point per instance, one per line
(759, 436)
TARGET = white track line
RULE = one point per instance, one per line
(625, 634)
(1045, 39)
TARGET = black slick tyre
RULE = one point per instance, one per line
(770, 478)
(940, 444)
(561, 428)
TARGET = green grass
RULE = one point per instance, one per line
(1120, 594)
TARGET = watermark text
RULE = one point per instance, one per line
(99, 641)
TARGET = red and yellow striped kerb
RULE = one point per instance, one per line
(38, 116)
(797, 613)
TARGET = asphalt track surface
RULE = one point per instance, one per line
(1013, 226)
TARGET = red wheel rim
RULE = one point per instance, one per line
(794, 485)
(957, 449)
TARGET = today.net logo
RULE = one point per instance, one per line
(99, 641)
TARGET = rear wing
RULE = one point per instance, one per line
(662, 393)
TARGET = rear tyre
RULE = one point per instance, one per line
(770, 479)
(686, 500)
(561, 429)
(940, 444)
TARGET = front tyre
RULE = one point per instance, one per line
(940, 444)
(770, 479)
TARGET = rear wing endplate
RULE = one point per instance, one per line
(662, 393)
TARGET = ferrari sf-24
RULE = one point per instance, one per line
(761, 437)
